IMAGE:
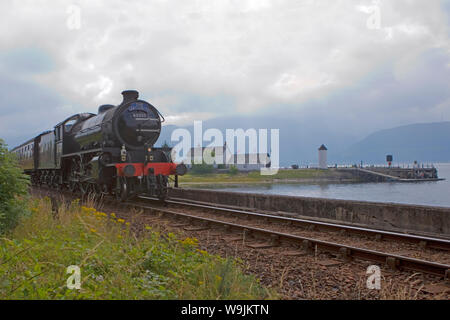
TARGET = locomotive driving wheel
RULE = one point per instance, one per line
(122, 189)
(74, 183)
(162, 182)
(84, 188)
(73, 186)
(104, 189)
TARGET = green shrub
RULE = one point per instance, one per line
(199, 169)
(233, 170)
(13, 183)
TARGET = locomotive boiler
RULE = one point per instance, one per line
(109, 152)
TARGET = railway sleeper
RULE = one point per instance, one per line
(274, 240)
(423, 244)
(307, 246)
(246, 233)
(392, 263)
(196, 228)
(345, 254)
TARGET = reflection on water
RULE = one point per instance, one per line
(423, 193)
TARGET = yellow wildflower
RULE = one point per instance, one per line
(93, 230)
(120, 220)
(190, 241)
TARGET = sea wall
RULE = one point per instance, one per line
(408, 173)
(386, 216)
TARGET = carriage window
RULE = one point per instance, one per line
(68, 125)
(58, 133)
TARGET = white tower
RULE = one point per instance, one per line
(323, 157)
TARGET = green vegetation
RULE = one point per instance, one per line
(115, 263)
(201, 169)
(233, 171)
(13, 183)
(234, 176)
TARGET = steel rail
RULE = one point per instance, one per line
(345, 251)
(423, 241)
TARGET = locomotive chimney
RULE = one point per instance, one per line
(129, 95)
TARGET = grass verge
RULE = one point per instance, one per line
(256, 177)
(114, 262)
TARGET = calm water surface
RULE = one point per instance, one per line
(422, 193)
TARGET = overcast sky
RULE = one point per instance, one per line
(329, 63)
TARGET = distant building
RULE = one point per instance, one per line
(217, 155)
(251, 161)
(323, 157)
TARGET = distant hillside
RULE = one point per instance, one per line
(421, 142)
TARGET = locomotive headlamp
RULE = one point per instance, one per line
(123, 154)
(129, 170)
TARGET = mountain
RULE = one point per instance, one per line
(425, 142)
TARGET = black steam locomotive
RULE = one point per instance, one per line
(112, 152)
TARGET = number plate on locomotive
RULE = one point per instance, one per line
(139, 114)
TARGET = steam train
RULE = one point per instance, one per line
(111, 152)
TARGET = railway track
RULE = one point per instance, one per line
(422, 241)
(276, 238)
(303, 243)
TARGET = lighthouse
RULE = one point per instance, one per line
(323, 157)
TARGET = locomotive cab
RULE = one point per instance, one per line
(64, 132)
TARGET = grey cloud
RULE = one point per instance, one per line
(309, 64)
